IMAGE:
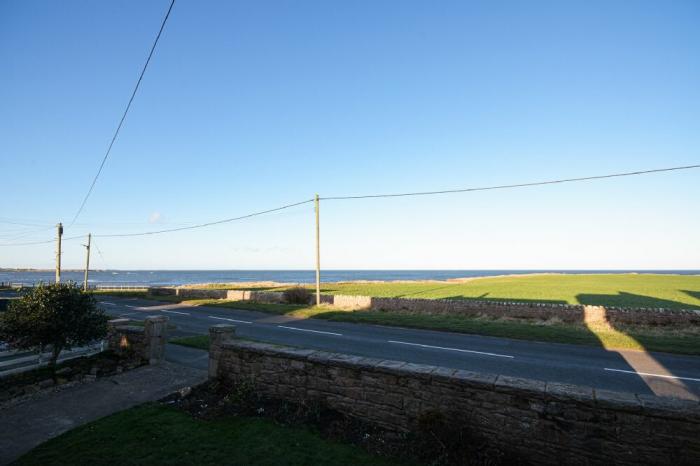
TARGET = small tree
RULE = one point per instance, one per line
(59, 315)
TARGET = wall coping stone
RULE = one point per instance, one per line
(568, 392)
(520, 386)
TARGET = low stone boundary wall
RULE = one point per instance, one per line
(570, 313)
(543, 311)
(161, 291)
(146, 343)
(544, 423)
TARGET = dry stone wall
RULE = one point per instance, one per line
(544, 423)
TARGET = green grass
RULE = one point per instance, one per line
(626, 290)
(672, 340)
(197, 341)
(630, 290)
(154, 434)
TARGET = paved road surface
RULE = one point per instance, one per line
(628, 371)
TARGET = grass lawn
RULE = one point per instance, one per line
(626, 290)
(631, 290)
(197, 341)
(155, 434)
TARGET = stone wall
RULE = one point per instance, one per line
(541, 311)
(145, 343)
(544, 423)
(161, 291)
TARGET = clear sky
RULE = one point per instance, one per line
(248, 105)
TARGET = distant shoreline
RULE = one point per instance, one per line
(174, 278)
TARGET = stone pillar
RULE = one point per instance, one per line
(114, 342)
(155, 336)
(218, 334)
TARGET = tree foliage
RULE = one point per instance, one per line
(58, 315)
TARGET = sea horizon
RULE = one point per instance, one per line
(173, 277)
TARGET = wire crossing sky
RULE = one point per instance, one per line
(370, 196)
(248, 105)
(121, 121)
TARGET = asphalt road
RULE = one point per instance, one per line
(627, 371)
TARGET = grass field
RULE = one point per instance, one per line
(154, 434)
(626, 290)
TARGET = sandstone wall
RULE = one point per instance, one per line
(146, 343)
(545, 423)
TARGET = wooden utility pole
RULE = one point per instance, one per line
(87, 262)
(58, 252)
(318, 255)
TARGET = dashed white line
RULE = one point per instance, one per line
(109, 304)
(132, 307)
(653, 375)
(451, 349)
(177, 312)
(312, 331)
(230, 320)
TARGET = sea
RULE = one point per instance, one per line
(133, 278)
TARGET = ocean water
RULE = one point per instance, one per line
(182, 277)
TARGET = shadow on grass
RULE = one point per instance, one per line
(692, 294)
(624, 299)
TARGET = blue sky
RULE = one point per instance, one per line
(251, 105)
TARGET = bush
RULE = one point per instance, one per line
(60, 315)
(297, 295)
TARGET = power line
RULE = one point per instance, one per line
(202, 225)
(43, 242)
(121, 122)
(104, 262)
(368, 196)
(508, 186)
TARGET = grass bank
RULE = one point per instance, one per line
(155, 434)
(672, 340)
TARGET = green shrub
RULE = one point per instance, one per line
(297, 295)
(60, 316)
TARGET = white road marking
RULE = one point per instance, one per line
(653, 375)
(132, 307)
(312, 331)
(230, 320)
(176, 312)
(108, 304)
(451, 349)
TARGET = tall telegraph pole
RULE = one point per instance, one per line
(87, 262)
(318, 255)
(59, 228)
